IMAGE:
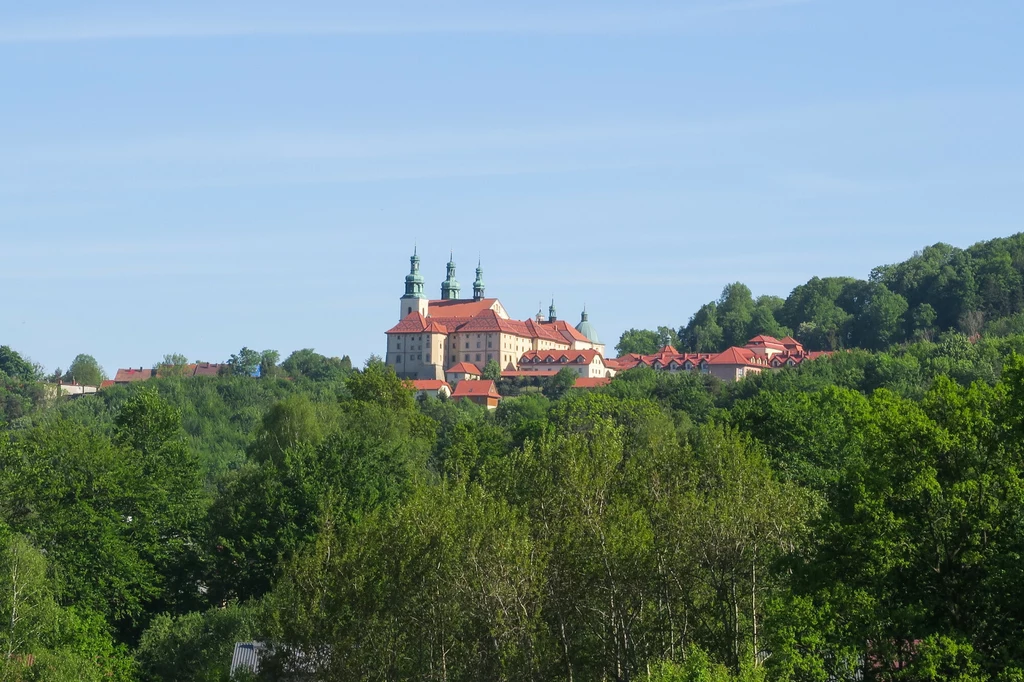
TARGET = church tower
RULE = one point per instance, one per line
(478, 284)
(415, 299)
(552, 315)
(587, 329)
(450, 287)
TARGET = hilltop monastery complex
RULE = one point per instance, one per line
(435, 335)
(442, 346)
(453, 338)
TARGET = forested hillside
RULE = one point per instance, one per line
(940, 289)
(860, 516)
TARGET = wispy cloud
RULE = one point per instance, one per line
(209, 27)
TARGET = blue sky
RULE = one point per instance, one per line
(195, 177)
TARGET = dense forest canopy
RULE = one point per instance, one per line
(860, 516)
(939, 289)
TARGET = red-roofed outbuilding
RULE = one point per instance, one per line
(482, 392)
(130, 375)
(592, 382)
(431, 387)
(462, 372)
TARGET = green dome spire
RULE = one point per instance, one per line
(450, 286)
(478, 284)
(414, 284)
(587, 329)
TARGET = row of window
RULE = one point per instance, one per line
(490, 344)
(478, 358)
(398, 358)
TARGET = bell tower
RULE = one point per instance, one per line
(478, 284)
(414, 299)
(450, 286)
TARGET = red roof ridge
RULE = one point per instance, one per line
(429, 384)
(464, 368)
(736, 356)
(413, 323)
(476, 387)
(570, 355)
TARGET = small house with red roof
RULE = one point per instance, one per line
(482, 392)
(592, 382)
(433, 388)
(734, 363)
(131, 375)
(204, 369)
(463, 371)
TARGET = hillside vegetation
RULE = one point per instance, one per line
(860, 516)
(940, 289)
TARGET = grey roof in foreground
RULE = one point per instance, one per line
(247, 657)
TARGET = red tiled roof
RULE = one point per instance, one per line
(663, 358)
(543, 331)
(568, 332)
(458, 307)
(490, 321)
(429, 384)
(205, 369)
(623, 363)
(737, 356)
(413, 323)
(460, 316)
(464, 368)
(435, 327)
(592, 382)
(541, 371)
(798, 357)
(452, 324)
(107, 383)
(125, 376)
(475, 388)
(765, 342)
(571, 356)
(747, 356)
